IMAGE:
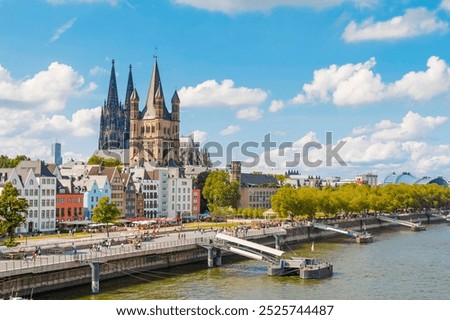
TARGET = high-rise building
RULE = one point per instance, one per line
(56, 153)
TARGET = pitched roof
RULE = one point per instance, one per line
(255, 180)
(5, 173)
(38, 167)
(154, 88)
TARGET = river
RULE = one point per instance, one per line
(398, 265)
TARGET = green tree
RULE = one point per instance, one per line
(106, 212)
(328, 202)
(6, 162)
(12, 209)
(219, 192)
(308, 201)
(281, 178)
(284, 202)
(107, 162)
(199, 183)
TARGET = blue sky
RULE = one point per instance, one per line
(375, 73)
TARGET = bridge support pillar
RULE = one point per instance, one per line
(95, 276)
(218, 257)
(277, 241)
(210, 257)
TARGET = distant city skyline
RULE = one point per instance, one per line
(375, 74)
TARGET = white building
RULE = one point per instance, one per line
(367, 178)
(149, 187)
(37, 185)
(180, 193)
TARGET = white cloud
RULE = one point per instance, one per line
(423, 85)
(47, 90)
(383, 146)
(83, 123)
(199, 136)
(33, 138)
(97, 71)
(276, 105)
(357, 84)
(231, 129)
(413, 126)
(445, 4)
(29, 146)
(387, 144)
(212, 94)
(250, 113)
(110, 2)
(58, 33)
(29, 122)
(415, 22)
(239, 6)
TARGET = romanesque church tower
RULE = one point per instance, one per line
(154, 131)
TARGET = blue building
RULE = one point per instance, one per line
(56, 153)
(407, 178)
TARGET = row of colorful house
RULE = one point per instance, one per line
(70, 192)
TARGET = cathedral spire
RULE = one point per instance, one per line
(113, 98)
(130, 87)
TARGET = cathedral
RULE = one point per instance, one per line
(151, 134)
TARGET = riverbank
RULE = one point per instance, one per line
(53, 272)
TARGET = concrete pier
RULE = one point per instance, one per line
(95, 283)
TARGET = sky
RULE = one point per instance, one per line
(371, 75)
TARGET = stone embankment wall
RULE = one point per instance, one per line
(48, 278)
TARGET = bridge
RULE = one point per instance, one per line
(439, 215)
(247, 249)
(410, 224)
(307, 268)
(360, 237)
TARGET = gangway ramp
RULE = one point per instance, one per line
(361, 237)
(412, 225)
(439, 215)
(247, 248)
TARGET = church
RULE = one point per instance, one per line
(151, 134)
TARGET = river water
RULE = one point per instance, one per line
(399, 264)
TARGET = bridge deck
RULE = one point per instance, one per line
(322, 226)
(398, 221)
(248, 244)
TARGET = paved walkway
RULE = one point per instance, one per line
(84, 246)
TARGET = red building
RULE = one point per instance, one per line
(196, 197)
(69, 202)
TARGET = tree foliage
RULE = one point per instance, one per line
(199, 183)
(106, 162)
(6, 162)
(219, 192)
(106, 212)
(358, 199)
(12, 209)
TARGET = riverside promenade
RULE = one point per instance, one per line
(121, 254)
(56, 269)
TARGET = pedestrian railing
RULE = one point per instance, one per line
(103, 253)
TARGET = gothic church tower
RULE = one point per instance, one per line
(114, 120)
